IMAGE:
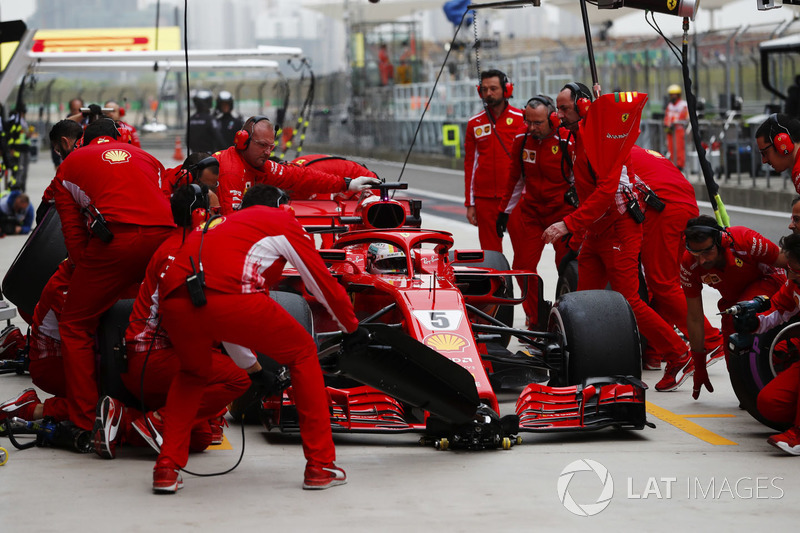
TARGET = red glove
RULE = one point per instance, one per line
(700, 374)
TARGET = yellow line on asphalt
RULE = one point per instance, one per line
(688, 426)
(708, 416)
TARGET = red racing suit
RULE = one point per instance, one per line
(676, 116)
(487, 158)
(748, 272)
(134, 135)
(243, 255)
(796, 173)
(47, 364)
(236, 176)
(535, 194)
(150, 350)
(121, 182)
(610, 251)
(663, 243)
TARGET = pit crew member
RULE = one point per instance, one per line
(663, 245)
(739, 263)
(779, 400)
(247, 162)
(537, 192)
(487, 155)
(777, 139)
(613, 240)
(109, 238)
(152, 362)
(243, 255)
(116, 115)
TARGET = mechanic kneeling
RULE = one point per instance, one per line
(243, 254)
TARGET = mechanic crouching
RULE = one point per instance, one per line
(243, 254)
(113, 216)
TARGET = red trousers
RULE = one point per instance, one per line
(487, 209)
(779, 400)
(48, 375)
(525, 227)
(662, 249)
(103, 273)
(225, 378)
(676, 145)
(613, 258)
(255, 321)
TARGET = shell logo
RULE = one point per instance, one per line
(446, 342)
(480, 131)
(654, 153)
(116, 156)
(529, 156)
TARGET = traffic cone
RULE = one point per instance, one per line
(178, 155)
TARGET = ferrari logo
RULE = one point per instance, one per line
(509, 121)
(625, 117)
(116, 156)
(671, 4)
(739, 262)
(554, 149)
(654, 153)
(446, 342)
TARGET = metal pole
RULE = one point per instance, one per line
(587, 30)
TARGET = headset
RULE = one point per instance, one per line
(242, 137)
(715, 232)
(781, 141)
(552, 117)
(581, 96)
(508, 87)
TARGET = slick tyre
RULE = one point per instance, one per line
(599, 336)
(752, 370)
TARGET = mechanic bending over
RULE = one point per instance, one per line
(112, 188)
(779, 400)
(663, 245)
(487, 155)
(200, 168)
(537, 192)
(738, 262)
(247, 163)
(64, 137)
(778, 140)
(613, 240)
(150, 352)
(245, 253)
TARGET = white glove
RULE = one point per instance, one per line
(362, 183)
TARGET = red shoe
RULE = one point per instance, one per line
(108, 426)
(22, 405)
(788, 441)
(651, 361)
(323, 476)
(217, 433)
(166, 477)
(11, 342)
(716, 353)
(677, 371)
(151, 429)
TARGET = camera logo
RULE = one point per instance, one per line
(586, 509)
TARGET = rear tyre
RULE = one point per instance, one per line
(599, 336)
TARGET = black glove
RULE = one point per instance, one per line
(356, 343)
(746, 322)
(265, 383)
(501, 224)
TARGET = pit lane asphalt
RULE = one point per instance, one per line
(706, 465)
